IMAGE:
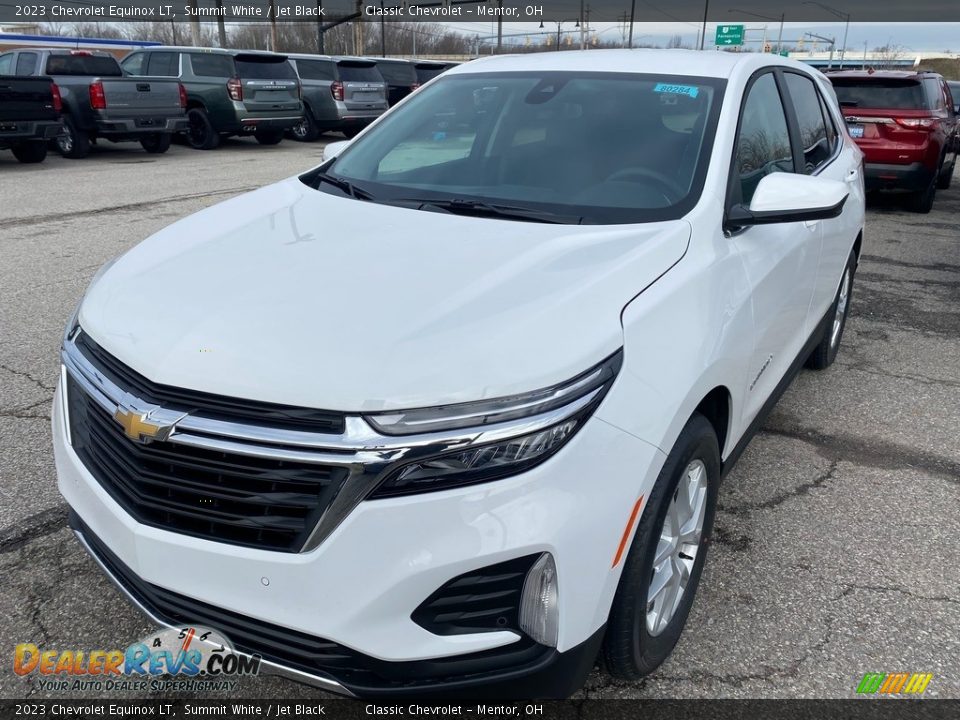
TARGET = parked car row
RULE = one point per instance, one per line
(907, 123)
(73, 98)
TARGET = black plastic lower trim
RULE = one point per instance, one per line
(778, 392)
(522, 669)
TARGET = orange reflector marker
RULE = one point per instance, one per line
(626, 532)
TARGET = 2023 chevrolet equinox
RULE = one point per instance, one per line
(449, 412)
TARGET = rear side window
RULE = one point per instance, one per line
(26, 63)
(264, 68)
(935, 98)
(832, 134)
(83, 65)
(880, 93)
(133, 64)
(211, 65)
(315, 69)
(6, 64)
(164, 64)
(398, 73)
(814, 143)
(763, 141)
(357, 72)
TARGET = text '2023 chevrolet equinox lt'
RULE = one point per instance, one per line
(449, 412)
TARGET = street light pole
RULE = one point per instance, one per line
(765, 17)
(843, 16)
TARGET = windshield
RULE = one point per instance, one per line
(881, 93)
(602, 147)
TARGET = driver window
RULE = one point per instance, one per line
(763, 143)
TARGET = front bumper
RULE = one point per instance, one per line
(359, 588)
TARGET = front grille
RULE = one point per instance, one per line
(208, 405)
(231, 498)
(481, 600)
(308, 653)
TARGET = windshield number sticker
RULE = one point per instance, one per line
(690, 90)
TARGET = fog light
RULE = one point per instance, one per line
(539, 610)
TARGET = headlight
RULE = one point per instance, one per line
(490, 461)
(498, 410)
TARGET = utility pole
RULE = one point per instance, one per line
(633, 10)
(499, 27)
(703, 34)
(583, 29)
(383, 33)
(273, 25)
(194, 25)
(358, 29)
(221, 27)
(320, 31)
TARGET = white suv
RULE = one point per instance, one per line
(449, 412)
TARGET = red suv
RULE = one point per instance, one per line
(906, 125)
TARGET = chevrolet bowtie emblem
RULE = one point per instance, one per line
(139, 427)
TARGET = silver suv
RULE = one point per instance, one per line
(339, 93)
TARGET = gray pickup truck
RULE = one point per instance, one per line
(29, 114)
(100, 102)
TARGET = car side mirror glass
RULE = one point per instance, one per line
(787, 197)
(332, 150)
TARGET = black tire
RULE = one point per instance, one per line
(30, 152)
(71, 143)
(157, 143)
(826, 351)
(269, 137)
(946, 177)
(201, 134)
(630, 651)
(307, 129)
(922, 202)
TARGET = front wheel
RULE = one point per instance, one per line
(268, 137)
(201, 134)
(922, 202)
(30, 152)
(826, 351)
(307, 129)
(662, 570)
(156, 144)
(71, 142)
(946, 176)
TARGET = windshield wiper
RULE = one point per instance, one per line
(479, 208)
(348, 187)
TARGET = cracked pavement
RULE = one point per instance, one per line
(835, 550)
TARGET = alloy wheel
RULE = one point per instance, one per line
(677, 547)
(842, 301)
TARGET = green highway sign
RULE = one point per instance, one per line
(729, 35)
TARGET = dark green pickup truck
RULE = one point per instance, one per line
(229, 92)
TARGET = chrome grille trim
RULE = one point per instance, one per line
(368, 455)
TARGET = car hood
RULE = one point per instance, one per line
(295, 296)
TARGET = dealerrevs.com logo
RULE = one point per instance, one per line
(190, 658)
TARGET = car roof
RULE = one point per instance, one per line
(330, 58)
(880, 74)
(213, 51)
(695, 63)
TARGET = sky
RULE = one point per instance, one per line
(910, 37)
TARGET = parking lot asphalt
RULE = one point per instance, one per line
(835, 549)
